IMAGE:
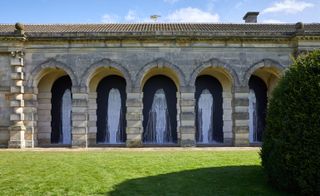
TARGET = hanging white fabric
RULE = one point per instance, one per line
(66, 117)
(158, 125)
(113, 116)
(252, 116)
(205, 104)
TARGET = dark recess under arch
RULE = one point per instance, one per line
(151, 86)
(215, 88)
(103, 89)
(58, 88)
(260, 89)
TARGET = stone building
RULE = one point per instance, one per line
(142, 84)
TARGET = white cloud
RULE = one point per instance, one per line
(171, 1)
(131, 16)
(273, 21)
(288, 6)
(191, 15)
(107, 18)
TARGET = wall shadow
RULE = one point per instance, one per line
(230, 180)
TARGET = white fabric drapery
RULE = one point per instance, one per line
(252, 116)
(66, 117)
(113, 116)
(205, 104)
(158, 126)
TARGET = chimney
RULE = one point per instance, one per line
(251, 17)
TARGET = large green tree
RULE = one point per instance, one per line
(291, 148)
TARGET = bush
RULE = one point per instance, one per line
(291, 146)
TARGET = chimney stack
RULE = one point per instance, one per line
(251, 17)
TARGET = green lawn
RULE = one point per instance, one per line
(135, 172)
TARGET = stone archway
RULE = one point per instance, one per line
(261, 78)
(94, 79)
(44, 68)
(227, 78)
(101, 69)
(45, 88)
(268, 70)
(163, 67)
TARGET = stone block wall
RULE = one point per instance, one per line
(25, 102)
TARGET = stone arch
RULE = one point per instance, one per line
(218, 65)
(228, 78)
(270, 65)
(105, 65)
(160, 66)
(42, 80)
(42, 69)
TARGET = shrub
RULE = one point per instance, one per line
(291, 146)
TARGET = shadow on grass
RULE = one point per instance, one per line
(231, 180)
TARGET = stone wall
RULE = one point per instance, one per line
(27, 97)
(5, 73)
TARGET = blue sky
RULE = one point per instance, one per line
(130, 11)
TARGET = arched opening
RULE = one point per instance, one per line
(213, 87)
(257, 108)
(166, 71)
(261, 83)
(209, 112)
(54, 99)
(159, 110)
(61, 102)
(111, 110)
(100, 80)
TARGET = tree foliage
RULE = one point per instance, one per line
(291, 148)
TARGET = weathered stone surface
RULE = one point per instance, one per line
(26, 72)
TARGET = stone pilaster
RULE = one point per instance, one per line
(92, 118)
(134, 119)
(227, 118)
(30, 121)
(17, 127)
(241, 116)
(187, 118)
(79, 117)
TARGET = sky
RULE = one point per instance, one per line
(169, 11)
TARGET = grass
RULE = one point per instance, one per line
(119, 172)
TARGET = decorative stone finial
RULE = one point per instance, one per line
(19, 28)
(299, 26)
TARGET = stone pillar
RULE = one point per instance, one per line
(30, 121)
(92, 119)
(187, 117)
(17, 128)
(134, 118)
(44, 118)
(241, 116)
(79, 117)
(227, 118)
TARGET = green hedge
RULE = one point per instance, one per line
(291, 146)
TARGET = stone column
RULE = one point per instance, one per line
(79, 117)
(241, 116)
(17, 128)
(134, 118)
(187, 117)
